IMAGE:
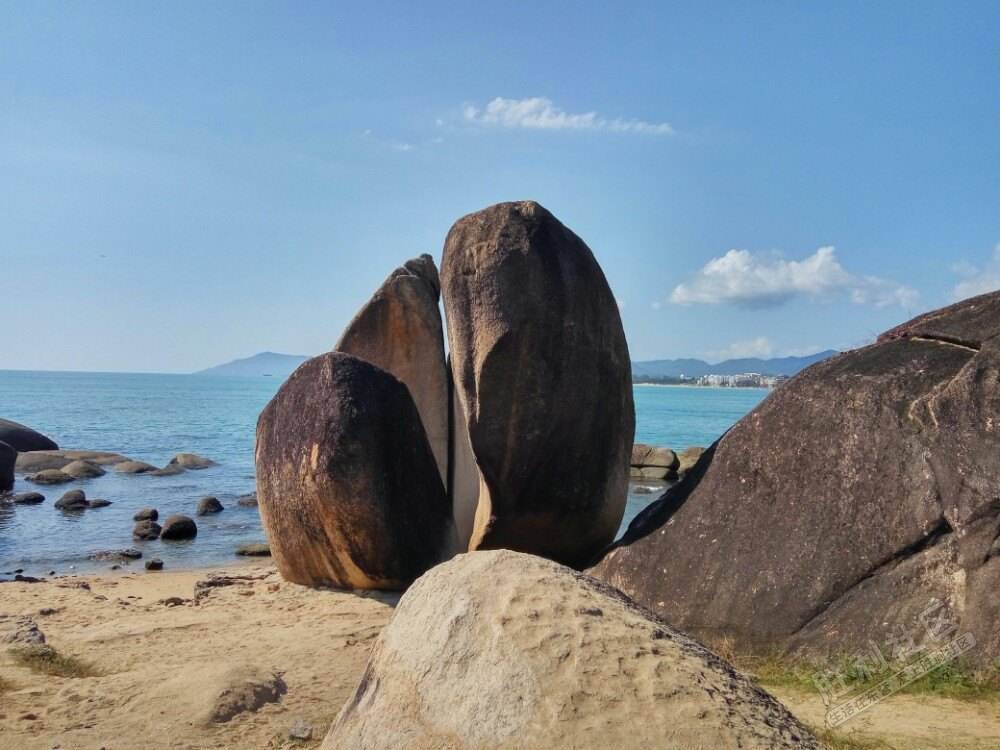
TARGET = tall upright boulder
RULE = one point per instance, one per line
(349, 491)
(8, 457)
(858, 497)
(22, 438)
(399, 330)
(505, 650)
(542, 379)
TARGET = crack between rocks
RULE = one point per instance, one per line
(938, 532)
(969, 346)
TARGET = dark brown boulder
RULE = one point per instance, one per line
(22, 438)
(349, 492)
(177, 527)
(843, 507)
(208, 506)
(8, 457)
(72, 500)
(146, 514)
(399, 330)
(543, 379)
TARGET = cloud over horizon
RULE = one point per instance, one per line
(539, 113)
(978, 280)
(756, 280)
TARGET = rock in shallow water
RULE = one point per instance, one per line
(50, 476)
(72, 500)
(80, 469)
(208, 506)
(179, 527)
(134, 467)
(25, 498)
(146, 514)
(506, 650)
(191, 461)
(146, 530)
(253, 550)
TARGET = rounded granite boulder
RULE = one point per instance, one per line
(505, 650)
(349, 491)
(178, 527)
(542, 380)
(208, 506)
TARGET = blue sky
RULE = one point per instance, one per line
(185, 183)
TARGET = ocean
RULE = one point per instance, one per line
(153, 417)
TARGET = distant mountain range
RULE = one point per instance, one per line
(265, 363)
(282, 365)
(694, 368)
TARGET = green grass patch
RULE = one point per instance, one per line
(954, 680)
(46, 660)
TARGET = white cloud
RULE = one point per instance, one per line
(540, 113)
(757, 347)
(755, 280)
(978, 280)
(404, 147)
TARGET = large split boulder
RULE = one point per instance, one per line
(22, 438)
(504, 650)
(542, 381)
(399, 330)
(8, 457)
(350, 494)
(858, 502)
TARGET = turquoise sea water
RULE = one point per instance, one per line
(153, 417)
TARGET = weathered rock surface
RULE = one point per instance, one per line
(22, 438)
(247, 501)
(505, 650)
(146, 530)
(116, 555)
(50, 476)
(191, 461)
(179, 527)
(98, 503)
(134, 467)
(835, 512)
(8, 457)
(154, 564)
(253, 550)
(81, 469)
(209, 505)
(399, 330)
(688, 458)
(72, 500)
(19, 631)
(543, 379)
(349, 491)
(146, 514)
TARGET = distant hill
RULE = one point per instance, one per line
(265, 363)
(694, 368)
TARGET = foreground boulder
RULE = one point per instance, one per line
(543, 382)
(349, 492)
(25, 498)
(8, 457)
(146, 529)
(858, 497)
(505, 650)
(399, 330)
(22, 438)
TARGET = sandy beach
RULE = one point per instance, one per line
(160, 666)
